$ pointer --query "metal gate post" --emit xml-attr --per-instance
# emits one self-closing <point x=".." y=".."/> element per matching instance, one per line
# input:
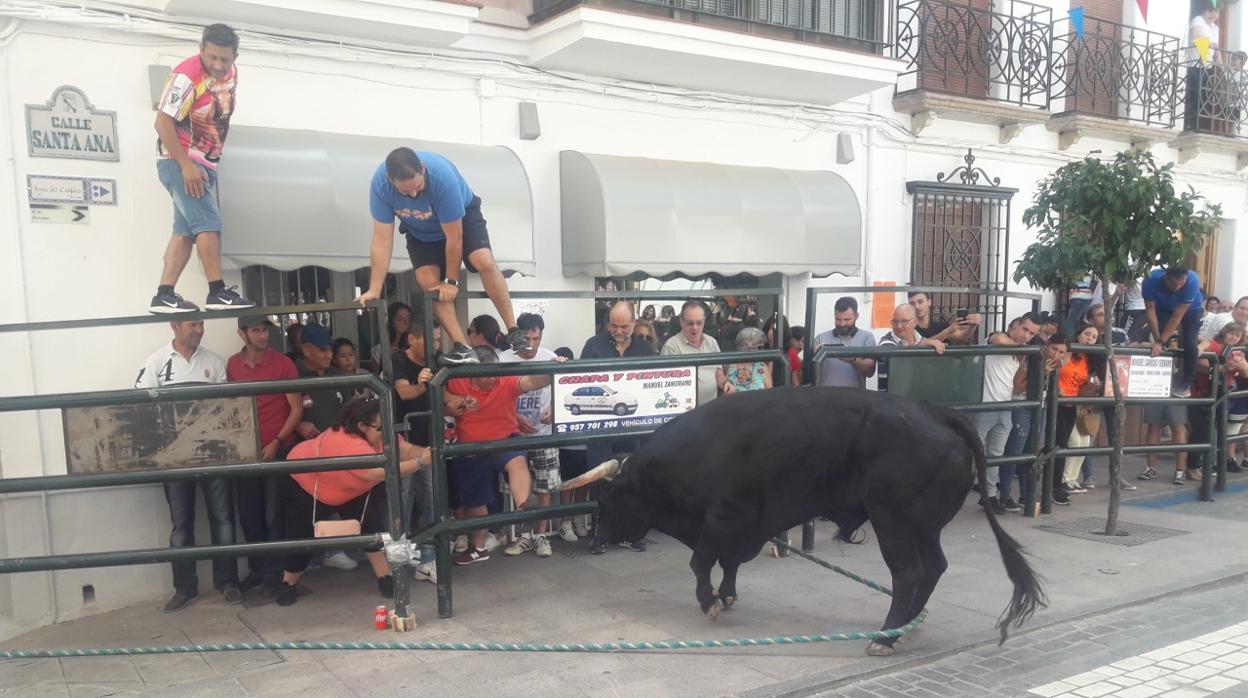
<point x="1209" y="460"/>
<point x="1221" y="419"/>
<point x="1050" y="444"/>
<point x="1035" y="391"/>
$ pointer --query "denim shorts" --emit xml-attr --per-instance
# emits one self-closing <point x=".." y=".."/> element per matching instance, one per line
<point x="191" y="216"/>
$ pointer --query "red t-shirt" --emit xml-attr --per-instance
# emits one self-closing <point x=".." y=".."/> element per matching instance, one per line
<point x="795" y="360"/>
<point x="271" y="410"/>
<point x="495" y="416"/>
<point x="334" y="487"/>
<point x="1201" y="386"/>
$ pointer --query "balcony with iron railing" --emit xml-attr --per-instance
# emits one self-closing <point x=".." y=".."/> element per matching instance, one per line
<point x="857" y="24"/>
<point x="1214" y="93"/>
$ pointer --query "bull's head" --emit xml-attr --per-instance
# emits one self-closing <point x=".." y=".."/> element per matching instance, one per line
<point x="621" y="508"/>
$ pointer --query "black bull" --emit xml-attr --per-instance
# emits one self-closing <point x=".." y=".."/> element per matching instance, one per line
<point x="730" y="475"/>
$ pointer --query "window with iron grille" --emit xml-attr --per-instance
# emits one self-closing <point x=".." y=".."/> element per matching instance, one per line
<point x="961" y="238"/>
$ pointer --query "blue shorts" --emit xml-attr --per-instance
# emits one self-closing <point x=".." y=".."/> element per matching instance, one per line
<point x="191" y="216"/>
<point x="471" y="479"/>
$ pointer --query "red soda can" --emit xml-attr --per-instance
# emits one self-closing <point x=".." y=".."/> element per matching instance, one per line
<point x="381" y="618"/>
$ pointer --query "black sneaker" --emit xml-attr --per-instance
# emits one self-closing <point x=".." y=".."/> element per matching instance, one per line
<point x="1232" y="466"/>
<point x="994" y="505"/>
<point x="1008" y="504"/>
<point x="231" y="593"/>
<point x="178" y="601"/>
<point x="597" y="548"/>
<point x="286" y="594"/>
<point x="170" y="302"/>
<point x="458" y="356"/>
<point x="386" y="586"/>
<point x="1060" y="498"/>
<point x="226" y="299"/>
<point x="251" y="581"/>
<point x="637" y="546"/>
<point x="517" y="340"/>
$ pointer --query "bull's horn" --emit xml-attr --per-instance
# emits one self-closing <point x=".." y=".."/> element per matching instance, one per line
<point x="606" y="469"/>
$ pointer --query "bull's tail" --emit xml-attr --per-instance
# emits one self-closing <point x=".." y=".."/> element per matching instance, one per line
<point x="1028" y="596"/>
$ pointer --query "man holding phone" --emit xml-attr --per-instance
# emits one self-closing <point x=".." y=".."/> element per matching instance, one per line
<point x="959" y="332"/>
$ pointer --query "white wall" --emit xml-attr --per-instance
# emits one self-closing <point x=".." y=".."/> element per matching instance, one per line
<point x="110" y="267"/>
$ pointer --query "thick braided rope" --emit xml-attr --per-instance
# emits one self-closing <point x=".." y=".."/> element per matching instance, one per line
<point x="654" y="645"/>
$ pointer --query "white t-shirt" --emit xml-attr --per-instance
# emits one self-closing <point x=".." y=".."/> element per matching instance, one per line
<point x="1134" y="296"/>
<point x="1212" y="323"/>
<point x="1197" y="29"/>
<point x="999" y="371"/>
<point x="166" y="367"/>
<point x="533" y="404"/>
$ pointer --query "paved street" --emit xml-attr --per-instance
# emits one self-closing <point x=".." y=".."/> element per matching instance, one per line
<point x="1180" y="575"/>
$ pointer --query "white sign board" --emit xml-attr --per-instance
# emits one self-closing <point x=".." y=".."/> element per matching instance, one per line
<point x="69" y="127"/>
<point x="1142" y="376"/>
<point x="43" y="213"/>
<point x="55" y="189"/>
<point x="621" y="399"/>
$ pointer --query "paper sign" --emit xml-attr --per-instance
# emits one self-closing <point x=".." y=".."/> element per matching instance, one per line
<point x="56" y="189"/>
<point x="620" y="399"/>
<point x="59" y="214"/>
<point x="1142" y="376"/>
<point x="882" y="305"/>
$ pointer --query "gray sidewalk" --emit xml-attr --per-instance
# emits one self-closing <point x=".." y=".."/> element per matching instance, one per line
<point x="576" y="597"/>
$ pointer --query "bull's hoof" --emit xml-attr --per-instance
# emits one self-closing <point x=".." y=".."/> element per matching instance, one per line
<point x="773" y="550"/>
<point x="729" y="601"/>
<point x="713" y="610"/>
<point x="876" y="649"/>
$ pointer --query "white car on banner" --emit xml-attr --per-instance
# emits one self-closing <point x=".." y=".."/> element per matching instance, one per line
<point x="596" y="401"/>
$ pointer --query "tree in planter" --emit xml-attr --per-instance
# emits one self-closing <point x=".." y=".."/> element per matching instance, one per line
<point x="1117" y="220"/>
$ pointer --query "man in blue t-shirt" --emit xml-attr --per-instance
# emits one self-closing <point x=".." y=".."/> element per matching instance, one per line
<point x="1173" y="303"/>
<point x="441" y="218"/>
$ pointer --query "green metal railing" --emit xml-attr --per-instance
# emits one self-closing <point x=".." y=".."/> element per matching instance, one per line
<point x="388" y="459"/>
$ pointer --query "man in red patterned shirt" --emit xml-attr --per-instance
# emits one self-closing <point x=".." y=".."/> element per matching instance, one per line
<point x="192" y="120"/>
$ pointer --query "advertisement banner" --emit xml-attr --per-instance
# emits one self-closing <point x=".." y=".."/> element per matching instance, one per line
<point x="1142" y="376"/>
<point x="622" y="399"/>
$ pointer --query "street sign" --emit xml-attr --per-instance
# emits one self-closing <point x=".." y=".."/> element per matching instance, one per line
<point x="56" y="189"/>
<point x="68" y="126"/>
<point x="44" y="213"/>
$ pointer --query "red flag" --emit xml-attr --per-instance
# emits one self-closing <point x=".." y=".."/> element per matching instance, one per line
<point x="1143" y="8"/>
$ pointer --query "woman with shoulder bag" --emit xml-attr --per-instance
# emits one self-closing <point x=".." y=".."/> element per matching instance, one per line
<point x="357" y="496"/>
<point x="1073" y="377"/>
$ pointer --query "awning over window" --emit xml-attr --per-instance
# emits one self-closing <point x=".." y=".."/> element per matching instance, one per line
<point x="623" y="215"/>
<point x="291" y="198"/>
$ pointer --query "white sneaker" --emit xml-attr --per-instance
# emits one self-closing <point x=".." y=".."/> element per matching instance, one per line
<point x="542" y="545"/>
<point x="492" y="542"/>
<point x="427" y="571"/>
<point x="461" y="543"/>
<point x="522" y="545"/>
<point x="566" y="533"/>
<point x="581" y="527"/>
<point x="340" y="561"/>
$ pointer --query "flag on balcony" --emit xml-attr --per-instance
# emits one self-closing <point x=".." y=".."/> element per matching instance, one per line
<point x="1076" y="20"/>
<point x="1143" y="8"/>
<point x="1202" y="45"/>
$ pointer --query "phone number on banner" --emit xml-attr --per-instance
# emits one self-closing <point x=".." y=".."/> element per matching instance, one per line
<point x="604" y="424"/>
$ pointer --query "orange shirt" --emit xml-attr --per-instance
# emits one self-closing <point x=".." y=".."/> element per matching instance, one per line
<point x="335" y="486"/>
<point x="1073" y="375"/>
<point x="495" y="416"/>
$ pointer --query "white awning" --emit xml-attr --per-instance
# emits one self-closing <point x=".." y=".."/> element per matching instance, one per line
<point x="292" y="199"/>
<point x="623" y="215"/>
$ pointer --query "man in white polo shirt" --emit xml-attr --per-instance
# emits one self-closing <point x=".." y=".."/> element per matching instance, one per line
<point x="694" y="340"/>
<point x="185" y="362"/>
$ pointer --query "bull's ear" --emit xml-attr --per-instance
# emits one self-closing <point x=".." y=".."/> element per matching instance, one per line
<point x="606" y="469"/>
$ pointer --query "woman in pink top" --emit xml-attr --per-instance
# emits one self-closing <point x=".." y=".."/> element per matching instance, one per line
<point x="352" y="494"/>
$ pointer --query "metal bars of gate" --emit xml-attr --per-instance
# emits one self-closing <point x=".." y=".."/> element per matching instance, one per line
<point x="1217" y="428"/>
<point x="1225" y="395"/>
<point x="388" y="459"/>
<point x="444" y="525"/>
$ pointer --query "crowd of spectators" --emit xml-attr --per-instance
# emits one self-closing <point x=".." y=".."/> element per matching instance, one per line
<point x="323" y="423"/>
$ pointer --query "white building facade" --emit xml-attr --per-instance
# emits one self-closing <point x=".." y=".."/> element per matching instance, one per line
<point x="786" y="142"/>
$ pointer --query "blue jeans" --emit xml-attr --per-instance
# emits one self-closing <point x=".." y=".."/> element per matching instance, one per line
<point x="1016" y="445"/>
<point x="1188" y="334"/>
<point x="994" y="430"/>
<point x="181" y="498"/>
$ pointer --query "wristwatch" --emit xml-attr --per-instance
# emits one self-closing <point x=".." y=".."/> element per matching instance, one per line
<point x="453" y="282"/>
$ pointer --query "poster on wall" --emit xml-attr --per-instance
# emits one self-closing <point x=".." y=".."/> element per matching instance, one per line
<point x="68" y="126"/>
<point x="622" y="399"/>
<point x="1142" y="376"/>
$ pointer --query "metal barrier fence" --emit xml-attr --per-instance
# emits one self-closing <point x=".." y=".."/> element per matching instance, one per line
<point x="445" y="526"/>
<point x="388" y="459"/>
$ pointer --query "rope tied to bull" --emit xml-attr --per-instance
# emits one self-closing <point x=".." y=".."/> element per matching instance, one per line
<point x="652" y="645"/>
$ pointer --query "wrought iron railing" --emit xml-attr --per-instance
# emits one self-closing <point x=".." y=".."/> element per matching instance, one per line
<point x="1115" y="71"/>
<point x="1214" y="93"/>
<point x="963" y="47"/>
<point x="862" y="20"/>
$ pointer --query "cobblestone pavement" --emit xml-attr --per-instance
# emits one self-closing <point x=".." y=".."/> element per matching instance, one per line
<point x="1151" y="644"/>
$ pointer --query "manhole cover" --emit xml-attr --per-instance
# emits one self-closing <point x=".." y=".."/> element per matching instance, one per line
<point x="1087" y="528"/>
